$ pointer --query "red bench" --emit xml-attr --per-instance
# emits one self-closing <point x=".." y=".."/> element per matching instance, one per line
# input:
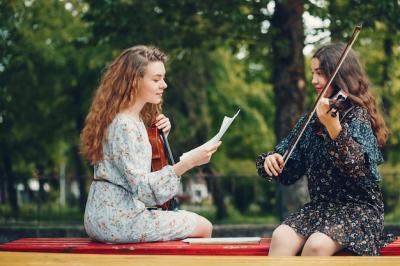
<point x="86" y="246"/>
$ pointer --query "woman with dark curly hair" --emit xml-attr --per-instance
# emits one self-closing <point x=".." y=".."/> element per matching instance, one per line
<point x="339" y="154"/>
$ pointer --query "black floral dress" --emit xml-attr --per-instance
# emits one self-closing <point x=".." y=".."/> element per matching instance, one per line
<point x="343" y="182"/>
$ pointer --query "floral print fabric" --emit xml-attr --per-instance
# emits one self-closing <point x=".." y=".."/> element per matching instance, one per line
<point x="343" y="182"/>
<point x="116" y="210"/>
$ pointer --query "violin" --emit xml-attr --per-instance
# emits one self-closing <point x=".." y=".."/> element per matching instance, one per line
<point x="161" y="156"/>
<point x="339" y="102"/>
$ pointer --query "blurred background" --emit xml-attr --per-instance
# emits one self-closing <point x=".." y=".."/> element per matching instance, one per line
<point x="251" y="55"/>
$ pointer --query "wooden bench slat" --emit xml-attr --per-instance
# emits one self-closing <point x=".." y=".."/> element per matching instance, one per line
<point x="86" y="246"/>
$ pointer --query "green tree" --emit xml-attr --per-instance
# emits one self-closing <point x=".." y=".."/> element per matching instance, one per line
<point x="39" y="46"/>
<point x="289" y="84"/>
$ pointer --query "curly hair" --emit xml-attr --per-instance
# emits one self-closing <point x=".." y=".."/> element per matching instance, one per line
<point x="352" y="79"/>
<point x="117" y="91"/>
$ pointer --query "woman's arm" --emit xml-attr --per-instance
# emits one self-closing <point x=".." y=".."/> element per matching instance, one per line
<point x="127" y="147"/>
<point x="355" y="150"/>
<point x="295" y="166"/>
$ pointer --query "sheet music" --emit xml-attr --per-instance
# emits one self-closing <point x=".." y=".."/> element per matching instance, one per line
<point x="226" y="123"/>
<point x="223" y="240"/>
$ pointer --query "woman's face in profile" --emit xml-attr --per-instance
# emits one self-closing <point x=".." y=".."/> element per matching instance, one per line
<point x="319" y="79"/>
<point x="152" y="85"/>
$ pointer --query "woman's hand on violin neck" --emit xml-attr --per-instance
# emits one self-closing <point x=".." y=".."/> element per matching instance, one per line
<point x="332" y="124"/>
<point x="273" y="164"/>
<point x="163" y="123"/>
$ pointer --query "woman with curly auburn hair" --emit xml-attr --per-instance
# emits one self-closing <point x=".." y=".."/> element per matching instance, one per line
<point x="115" y="141"/>
<point x="339" y="153"/>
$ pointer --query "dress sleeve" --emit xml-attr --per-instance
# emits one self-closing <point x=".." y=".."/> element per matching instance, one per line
<point x="295" y="166"/>
<point x="355" y="151"/>
<point x="128" y="154"/>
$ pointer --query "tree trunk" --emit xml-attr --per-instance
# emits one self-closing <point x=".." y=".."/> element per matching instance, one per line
<point x="218" y="198"/>
<point x="2" y="184"/>
<point x="335" y="29"/>
<point x="80" y="173"/>
<point x="289" y="86"/>
<point x="41" y="179"/>
<point x="10" y="181"/>
<point x="80" y="177"/>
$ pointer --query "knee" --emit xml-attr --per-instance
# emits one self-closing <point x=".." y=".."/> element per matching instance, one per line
<point x="203" y="228"/>
<point x="208" y="227"/>
<point x="319" y="244"/>
<point x="277" y="233"/>
<point x="316" y="247"/>
<point x="313" y="248"/>
<point x="282" y="234"/>
<point x="285" y="242"/>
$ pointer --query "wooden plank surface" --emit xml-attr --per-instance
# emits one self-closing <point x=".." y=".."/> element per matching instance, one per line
<point x="86" y="246"/>
<point x="47" y="259"/>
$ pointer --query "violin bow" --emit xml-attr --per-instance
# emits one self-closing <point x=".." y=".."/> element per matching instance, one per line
<point x="167" y="147"/>
<point x="343" y="56"/>
<point x="173" y="203"/>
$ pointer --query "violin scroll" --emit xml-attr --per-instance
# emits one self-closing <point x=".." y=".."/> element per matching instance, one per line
<point x="339" y="102"/>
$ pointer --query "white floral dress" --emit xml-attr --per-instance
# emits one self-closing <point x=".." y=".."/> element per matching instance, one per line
<point x="116" y="210"/>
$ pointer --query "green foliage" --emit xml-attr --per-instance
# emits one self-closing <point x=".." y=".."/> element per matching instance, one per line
<point x="377" y="46"/>
<point x="243" y="194"/>
<point x="252" y="216"/>
<point x="390" y="184"/>
<point x="38" y="42"/>
<point x="251" y="133"/>
<point x="243" y="191"/>
<point x="52" y="53"/>
<point x="44" y="213"/>
<point x="391" y="196"/>
<point x="393" y="217"/>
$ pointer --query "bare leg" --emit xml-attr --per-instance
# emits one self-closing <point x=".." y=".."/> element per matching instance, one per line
<point x="319" y="244"/>
<point x="285" y="242"/>
<point x="203" y="228"/>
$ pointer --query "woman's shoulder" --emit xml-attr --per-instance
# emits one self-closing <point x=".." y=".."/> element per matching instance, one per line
<point x="123" y="122"/>
<point x="359" y="114"/>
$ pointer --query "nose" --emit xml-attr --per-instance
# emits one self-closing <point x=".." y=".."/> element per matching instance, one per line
<point x="164" y="85"/>
<point x="314" y="80"/>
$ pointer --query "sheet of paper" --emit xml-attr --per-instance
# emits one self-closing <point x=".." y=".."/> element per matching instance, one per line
<point x="224" y="127"/>
<point x="223" y="240"/>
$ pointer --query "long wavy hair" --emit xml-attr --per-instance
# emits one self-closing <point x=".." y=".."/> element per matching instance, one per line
<point x="117" y="92"/>
<point x="352" y="79"/>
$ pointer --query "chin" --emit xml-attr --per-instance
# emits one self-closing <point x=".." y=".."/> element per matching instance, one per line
<point x="158" y="101"/>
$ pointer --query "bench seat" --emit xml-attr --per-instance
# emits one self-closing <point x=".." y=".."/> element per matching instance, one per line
<point x="86" y="246"/>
